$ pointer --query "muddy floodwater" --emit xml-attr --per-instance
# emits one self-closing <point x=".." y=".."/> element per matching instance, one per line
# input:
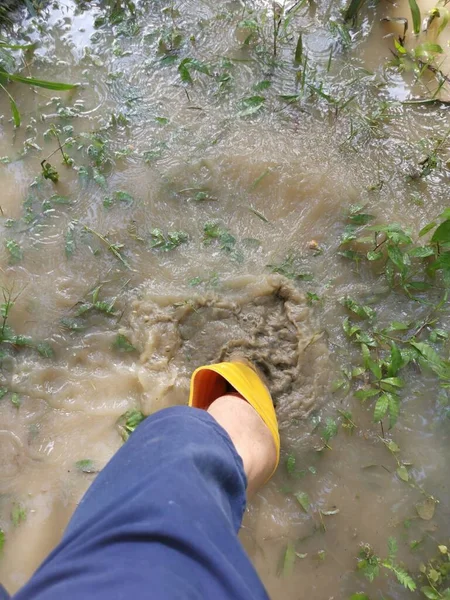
<point x="221" y="160"/>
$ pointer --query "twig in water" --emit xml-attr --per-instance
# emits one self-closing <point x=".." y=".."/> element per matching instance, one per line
<point x="111" y="247"/>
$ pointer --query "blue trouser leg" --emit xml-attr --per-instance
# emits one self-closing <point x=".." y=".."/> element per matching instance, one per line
<point x="160" y="521"/>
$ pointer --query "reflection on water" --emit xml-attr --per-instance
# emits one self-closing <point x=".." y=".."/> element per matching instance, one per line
<point x="189" y="178"/>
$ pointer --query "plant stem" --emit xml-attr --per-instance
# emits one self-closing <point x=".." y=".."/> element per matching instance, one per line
<point x="111" y="247"/>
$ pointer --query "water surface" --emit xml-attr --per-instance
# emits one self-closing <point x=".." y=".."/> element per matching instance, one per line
<point x="158" y="143"/>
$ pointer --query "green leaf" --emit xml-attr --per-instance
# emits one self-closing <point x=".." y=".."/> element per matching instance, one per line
<point x="403" y="577"/>
<point x="4" y="44"/>
<point x="418" y="286"/>
<point x="49" y="172"/>
<point x="348" y="235"/>
<point x="442" y="262"/>
<point x="365" y="394"/>
<point x="184" y="74"/>
<point x="18" y="514"/>
<point x="188" y="64"/>
<point x="374" y="255"/>
<point x="303" y="499"/>
<point x="365" y="312"/>
<point x="330" y="429"/>
<point x="415" y="13"/>
<point x="428" y="227"/>
<point x="365" y="338"/>
<point x="61" y="200"/>
<point x="421" y="252"/>
<point x="351" y="255"/>
<point x="99" y="178"/>
<point x="49" y="85"/>
<point x="22" y="341"/>
<point x="381" y="407"/>
<point x="426" y="509"/>
<point x="394" y="409"/>
<point x="290" y="464"/>
<point x="427" y="47"/>
<point x="396" y="256"/>
<point x="122" y="344"/>
<point x="291" y="98"/>
<point x="262" y="85"/>
<point x="124" y="197"/>
<point x="298" y="51"/>
<point x="359" y="596"/>
<point x="15" y="399"/>
<point x="369" y="566"/>
<point x="167" y="242"/>
<point x="397" y="326"/>
<point x="395" y="381"/>
<point x="133" y="418"/>
<point x="399" y="46"/>
<point x="361" y="218"/>
<point x="45" y="349"/>
<point x="433" y="360"/>
<point x="105" y="306"/>
<point x="289" y="559"/>
<point x="442" y="233"/>
<point x="392" y="446"/>
<point x="348" y="328"/>
<point x="393" y="231"/>
<point x="251" y="105"/>
<point x="402" y="472"/>
<point x="438" y="334"/>
<point x="392" y="547"/>
<point x="340" y="384"/>
<point x="445" y="15"/>
<point x="2" y="539"/>
<point x="15" y="251"/>
<point x="129" y="421"/>
<point x="375" y="368"/>
<point x="396" y="360"/>
<point x="429" y="593"/>
<point x="86" y="465"/>
<point x="352" y="10"/>
<point x="15" y="112"/>
<point x="311" y="298"/>
<point x="365" y="355"/>
<point x="319" y="91"/>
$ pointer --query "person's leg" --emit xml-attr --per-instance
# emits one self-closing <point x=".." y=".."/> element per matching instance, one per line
<point x="251" y="438"/>
<point x="161" y="520"/>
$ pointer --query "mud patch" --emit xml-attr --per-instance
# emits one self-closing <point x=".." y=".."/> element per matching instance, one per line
<point x="265" y="318"/>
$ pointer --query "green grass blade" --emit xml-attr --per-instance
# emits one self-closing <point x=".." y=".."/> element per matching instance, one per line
<point x="352" y="11"/>
<point x="426" y="48"/>
<point x="445" y="15"/>
<point x="14" y="110"/>
<point x="298" y="51"/>
<point x="49" y="85"/>
<point x="16" y="46"/>
<point x="415" y="12"/>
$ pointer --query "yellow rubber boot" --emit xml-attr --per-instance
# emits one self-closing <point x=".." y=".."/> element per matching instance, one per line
<point x="210" y="382"/>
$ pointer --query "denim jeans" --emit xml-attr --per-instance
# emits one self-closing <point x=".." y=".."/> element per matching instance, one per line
<point x="160" y="521"/>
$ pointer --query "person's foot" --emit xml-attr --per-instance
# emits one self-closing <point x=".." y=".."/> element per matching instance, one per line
<point x="236" y="396"/>
<point x="251" y="437"/>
